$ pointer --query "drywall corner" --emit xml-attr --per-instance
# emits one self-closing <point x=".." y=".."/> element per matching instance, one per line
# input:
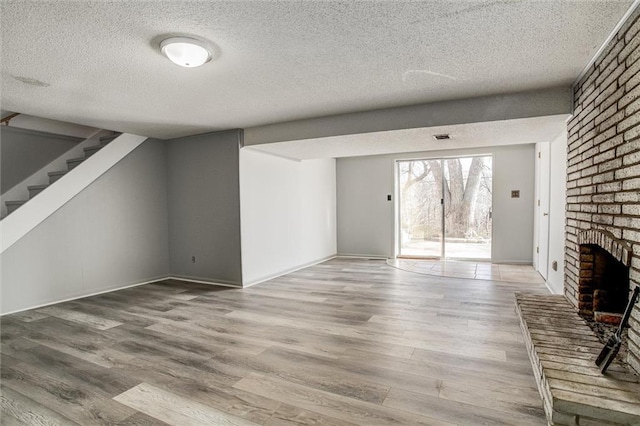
<point x="204" y="207"/>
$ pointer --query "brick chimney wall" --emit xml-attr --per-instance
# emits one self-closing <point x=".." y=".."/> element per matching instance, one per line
<point x="603" y="170"/>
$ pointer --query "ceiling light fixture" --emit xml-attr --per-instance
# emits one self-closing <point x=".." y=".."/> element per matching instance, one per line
<point x="185" y="51"/>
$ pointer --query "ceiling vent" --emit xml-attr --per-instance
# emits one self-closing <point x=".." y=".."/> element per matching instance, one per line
<point x="442" y="137"/>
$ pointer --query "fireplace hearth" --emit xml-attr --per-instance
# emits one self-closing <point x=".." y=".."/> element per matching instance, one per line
<point x="563" y="350"/>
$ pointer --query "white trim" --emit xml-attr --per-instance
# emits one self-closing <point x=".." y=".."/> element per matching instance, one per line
<point x="610" y="37"/>
<point x="151" y="281"/>
<point x="288" y="271"/>
<point x="551" y="288"/>
<point x="155" y="280"/>
<point x="514" y="262"/>
<point x="18" y="224"/>
<point x="20" y="190"/>
<point x="362" y="256"/>
<point x="191" y="280"/>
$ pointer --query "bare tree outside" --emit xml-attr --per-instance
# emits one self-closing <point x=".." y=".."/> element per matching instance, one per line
<point x="462" y="186"/>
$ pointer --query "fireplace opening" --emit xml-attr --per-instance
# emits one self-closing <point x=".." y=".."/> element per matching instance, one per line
<point x="603" y="285"/>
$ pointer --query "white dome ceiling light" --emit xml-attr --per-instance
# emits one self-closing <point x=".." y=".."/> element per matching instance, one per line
<point x="185" y="51"/>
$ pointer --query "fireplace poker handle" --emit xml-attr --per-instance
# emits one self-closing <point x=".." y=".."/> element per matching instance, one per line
<point x="612" y="346"/>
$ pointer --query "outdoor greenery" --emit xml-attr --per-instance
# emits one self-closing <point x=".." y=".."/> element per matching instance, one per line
<point x="465" y="186"/>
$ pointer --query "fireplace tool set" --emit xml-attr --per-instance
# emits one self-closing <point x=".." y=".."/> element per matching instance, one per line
<point x="611" y="348"/>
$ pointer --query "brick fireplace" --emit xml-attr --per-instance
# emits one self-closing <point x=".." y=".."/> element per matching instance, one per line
<point x="603" y="278"/>
<point x="602" y="260"/>
<point x="602" y="249"/>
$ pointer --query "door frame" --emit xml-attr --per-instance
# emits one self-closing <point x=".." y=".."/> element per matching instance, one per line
<point x="541" y="212"/>
<point x="397" y="245"/>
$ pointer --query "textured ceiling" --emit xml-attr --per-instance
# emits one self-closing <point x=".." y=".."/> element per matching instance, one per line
<point x="476" y="135"/>
<point x="97" y="63"/>
<point x="29" y="122"/>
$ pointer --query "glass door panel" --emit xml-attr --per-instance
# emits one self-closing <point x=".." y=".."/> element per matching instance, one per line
<point x="445" y="208"/>
<point x="467" y="207"/>
<point x="420" y="197"/>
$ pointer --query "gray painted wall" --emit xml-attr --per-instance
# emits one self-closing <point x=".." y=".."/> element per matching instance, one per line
<point x="24" y="152"/>
<point x="535" y="103"/>
<point x="112" y="234"/>
<point x="204" y="207"/>
<point x="364" y="216"/>
<point x="366" y="219"/>
<point x="514" y="168"/>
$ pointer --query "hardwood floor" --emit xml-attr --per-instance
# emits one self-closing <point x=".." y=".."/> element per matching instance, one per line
<point x="474" y="270"/>
<point x="341" y="343"/>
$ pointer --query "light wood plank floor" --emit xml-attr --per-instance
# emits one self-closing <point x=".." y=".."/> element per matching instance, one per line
<point x="341" y="343"/>
<point x="475" y="270"/>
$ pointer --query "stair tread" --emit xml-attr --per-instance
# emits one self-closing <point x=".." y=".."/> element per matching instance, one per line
<point x="104" y="140"/>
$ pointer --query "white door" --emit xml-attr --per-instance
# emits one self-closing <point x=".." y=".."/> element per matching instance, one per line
<point x="543" y="170"/>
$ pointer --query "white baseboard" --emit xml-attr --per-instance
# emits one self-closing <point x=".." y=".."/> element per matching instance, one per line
<point x="287" y="271"/>
<point x="362" y="256"/>
<point x="201" y="281"/>
<point x="512" y="262"/>
<point x="82" y="296"/>
<point x="552" y="288"/>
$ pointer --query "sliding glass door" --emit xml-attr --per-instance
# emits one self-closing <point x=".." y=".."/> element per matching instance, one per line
<point x="421" y="225"/>
<point x="445" y="207"/>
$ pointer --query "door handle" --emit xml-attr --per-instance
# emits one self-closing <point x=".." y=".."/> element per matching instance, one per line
<point x="545" y="214"/>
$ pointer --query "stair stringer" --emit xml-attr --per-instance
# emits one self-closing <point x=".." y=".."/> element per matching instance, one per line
<point x="20" y="191"/>
<point x="27" y="217"/>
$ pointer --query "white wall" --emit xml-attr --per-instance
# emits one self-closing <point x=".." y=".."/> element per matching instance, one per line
<point x="112" y="234"/>
<point x="365" y="217"/>
<point x="288" y="213"/>
<point x="557" y="208"/>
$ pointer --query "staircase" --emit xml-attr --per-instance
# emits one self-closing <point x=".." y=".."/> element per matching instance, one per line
<point x="54" y="176"/>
